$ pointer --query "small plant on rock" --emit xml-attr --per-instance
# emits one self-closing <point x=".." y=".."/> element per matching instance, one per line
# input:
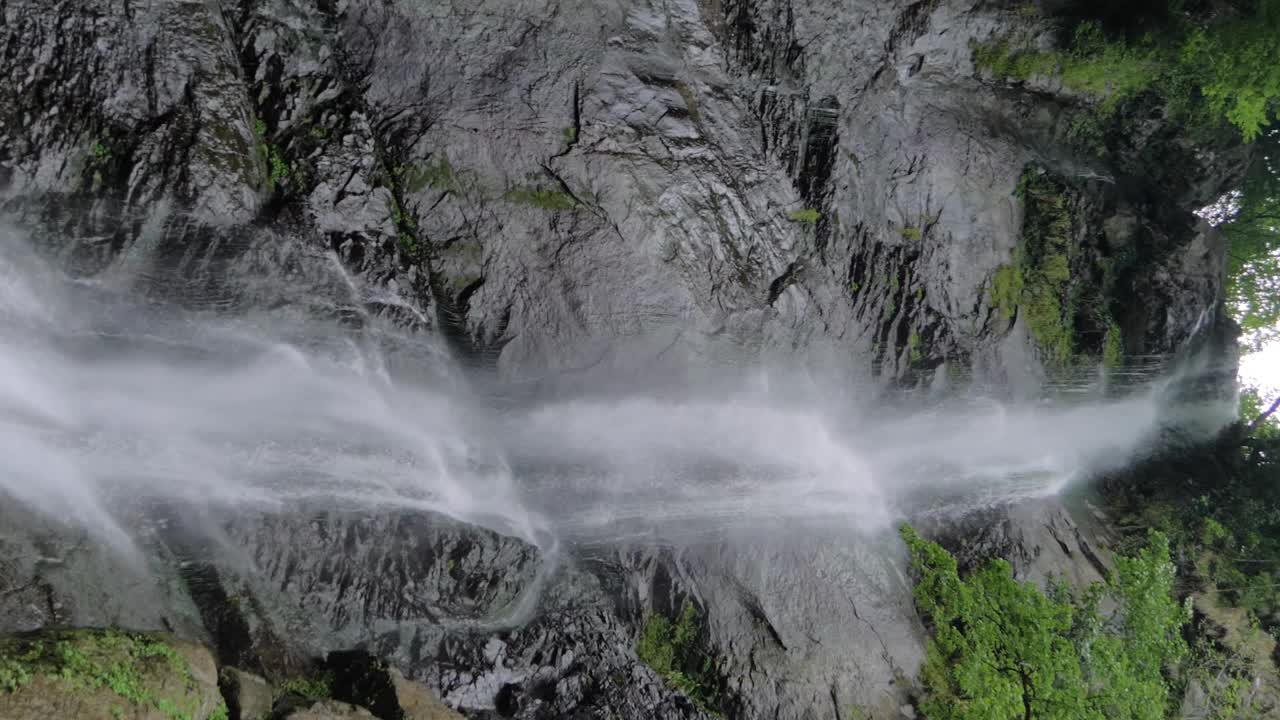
<point x="674" y="651"/>
<point x="807" y="216"/>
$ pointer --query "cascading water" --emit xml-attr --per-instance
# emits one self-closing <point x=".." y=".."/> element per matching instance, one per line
<point x="108" y="399"/>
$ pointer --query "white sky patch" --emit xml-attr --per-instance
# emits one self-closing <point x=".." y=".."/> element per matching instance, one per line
<point x="1262" y="370"/>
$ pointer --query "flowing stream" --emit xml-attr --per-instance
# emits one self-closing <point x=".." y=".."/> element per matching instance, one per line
<point x="110" y="398"/>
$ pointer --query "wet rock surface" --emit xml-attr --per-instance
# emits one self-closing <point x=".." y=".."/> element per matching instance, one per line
<point x="555" y="187"/>
<point x="798" y="626"/>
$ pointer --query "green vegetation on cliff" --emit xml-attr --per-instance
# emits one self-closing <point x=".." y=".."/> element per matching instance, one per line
<point x="808" y="216"/>
<point x="1219" y="503"/>
<point x="543" y="198"/>
<point x="277" y="167"/>
<point x="1253" y="264"/>
<point x="1221" y="507"/>
<point x="1001" y="648"/>
<point x="1204" y="70"/>
<point x="112" y="668"/>
<point x="674" y="650"/>
<point x="1036" y="282"/>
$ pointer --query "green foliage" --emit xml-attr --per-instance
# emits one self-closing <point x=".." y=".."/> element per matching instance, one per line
<point x="277" y="167"/>
<point x="1003" y="59"/>
<point x="1235" y="61"/>
<point x="1006" y="288"/>
<point x="398" y="216"/>
<point x="1252" y="406"/>
<point x="1222" y="71"/>
<point x="314" y="687"/>
<point x="1111" y="70"/>
<point x="808" y="216"/>
<point x="1113" y="346"/>
<point x="1253" y="264"/>
<point x="1003" y="649"/>
<point x="675" y="652"/>
<point x="914" y="354"/>
<point x="1221" y="505"/>
<point x="405" y="225"/>
<point x="1226" y="678"/>
<point x="910" y="232"/>
<point x="570" y="135"/>
<point x="1036" y="282"/>
<point x="14" y="674"/>
<point x="99" y="161"/>
<point x="112" y="660"/>
<point x="554" y="200"/>
<point x="101" y="153"/>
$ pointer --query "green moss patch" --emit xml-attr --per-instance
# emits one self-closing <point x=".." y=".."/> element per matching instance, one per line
<point x="543" y="198"/>
<point x="138" y="671"/>
<point x="1036" y="282"/>
<point x="277" y="166"/>
<point x="807" y="216"/>
<point x="314" y="687"/>
<point x="1205" y="71"/>
<point x="1113" y="347"/>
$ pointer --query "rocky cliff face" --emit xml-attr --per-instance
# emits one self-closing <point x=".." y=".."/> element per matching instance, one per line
<point x="554" y="186"/>
<point x="806" y="627"/>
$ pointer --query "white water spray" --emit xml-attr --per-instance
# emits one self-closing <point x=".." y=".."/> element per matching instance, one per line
<point x="107" y="401"/>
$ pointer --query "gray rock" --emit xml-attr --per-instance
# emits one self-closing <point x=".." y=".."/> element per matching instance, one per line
<point x="482" y="618"/>
<point x="55" y="574"/>
<point x="248" y="696"/>
<point x="555" y="186"/>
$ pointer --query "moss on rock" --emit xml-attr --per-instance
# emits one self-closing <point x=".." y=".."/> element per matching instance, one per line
<point x="106" y="675"/>
<point x="1036" y="282"/>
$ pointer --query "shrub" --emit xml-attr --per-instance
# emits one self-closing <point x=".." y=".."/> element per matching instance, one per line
<point x="1227" y="66"/>
<point x="673" y="650"/>
<point x="1003" y="649"/>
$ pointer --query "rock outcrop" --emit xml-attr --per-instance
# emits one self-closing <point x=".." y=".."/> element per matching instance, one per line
<point x="802" y="625"/>
<point x="561" y="185"/>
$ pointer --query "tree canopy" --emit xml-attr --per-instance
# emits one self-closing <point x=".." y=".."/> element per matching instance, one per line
<point x="1253" y="269"/>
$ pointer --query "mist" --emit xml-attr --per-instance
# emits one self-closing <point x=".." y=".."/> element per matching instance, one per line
<point x="111" y="398"/>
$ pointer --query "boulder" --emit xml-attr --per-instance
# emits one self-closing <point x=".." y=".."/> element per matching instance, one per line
<point x="248" y="696"/>
<point x="360" y="678"/>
